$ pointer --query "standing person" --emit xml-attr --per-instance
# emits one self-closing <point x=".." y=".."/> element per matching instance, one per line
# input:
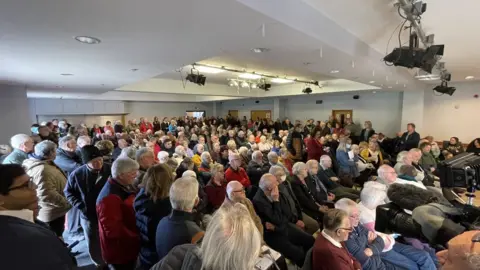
<point x="156" y="124"/>
<point x="67" y="158"/>
<point x="119" y="238"/>
<point x="145" y="125"/>
<point x="108" y="127"/>
<point x="22" y="145"/>
<point x="26" y="244"/>
<point x="151" y="205"/>
<point x="50" y="181"/>
<point x="367" y="132"/>
<point x="118" y="127"/>
<point x="410" y="139"/>
<point x="295" y="144"/>
<point x="82" y="189"/>
<point x="315" y="145"/>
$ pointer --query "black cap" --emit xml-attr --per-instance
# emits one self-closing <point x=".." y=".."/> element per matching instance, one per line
<point x="90" y="152"/>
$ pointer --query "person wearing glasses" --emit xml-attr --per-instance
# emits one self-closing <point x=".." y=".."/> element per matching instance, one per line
<point x="329" y="251"/>
<point x="27" y="243"/>
<point x="379" y="251"/>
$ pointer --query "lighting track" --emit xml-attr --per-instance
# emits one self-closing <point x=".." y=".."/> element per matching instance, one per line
<point x="256" y="73"/>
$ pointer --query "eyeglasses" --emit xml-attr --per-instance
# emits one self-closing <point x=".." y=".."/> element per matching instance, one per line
<point x="29" y="184"/>
<point x="239" y="191"/>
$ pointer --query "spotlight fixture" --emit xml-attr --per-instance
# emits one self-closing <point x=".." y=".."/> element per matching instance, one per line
<point x="307" y="90"/>
<point x="390" y="87"/>
<point x="87" y="40"/>
<point x="260" y="50"/>
<point x="196" y="78"/>
<point x="281" y="80"/>
<point x="445" y="89"/>
<point x="250" y="76"/>
<point x="264" y="85"/>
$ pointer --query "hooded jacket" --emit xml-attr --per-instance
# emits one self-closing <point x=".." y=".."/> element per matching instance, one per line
<point x="67" y="161"/>
<point x="50" y="181"/>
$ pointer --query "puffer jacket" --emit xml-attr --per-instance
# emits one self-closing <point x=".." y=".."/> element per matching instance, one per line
<point x="50" y="181"/>
<point x="183" y="257"/>
<point x="409" y="196"/>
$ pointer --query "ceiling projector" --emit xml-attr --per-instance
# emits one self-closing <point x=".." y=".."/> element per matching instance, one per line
<point x="445" y="89"/>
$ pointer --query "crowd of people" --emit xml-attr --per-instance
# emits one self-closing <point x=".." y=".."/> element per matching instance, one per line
<point x="213" y="193"/>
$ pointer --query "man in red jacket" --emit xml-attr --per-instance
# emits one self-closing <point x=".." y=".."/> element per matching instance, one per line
<point x="119" y="237"/>
<point x="235" y="172"/>
<point x="145" y="125"/>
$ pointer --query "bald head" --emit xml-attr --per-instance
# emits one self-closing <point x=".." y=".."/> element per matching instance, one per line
<point x="235" y="191"/>
<point x="386" y="175"/>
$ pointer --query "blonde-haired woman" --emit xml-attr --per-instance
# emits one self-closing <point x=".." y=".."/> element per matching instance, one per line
<point x="373" y="154"/>
<point x="151" y="205"/>
<point x="232" y="147"/>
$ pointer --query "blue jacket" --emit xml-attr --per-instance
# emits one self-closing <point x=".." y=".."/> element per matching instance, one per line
<point x="16" y="157"/>
<point x="357" y="243"/>
<point x="148" y="214"/>
<point x="346" y="165"/>
<point x="83" y="187"/>
<point x="26" y="245"/>
<point x="176" y="229"/>
<point x="66" y="161"/>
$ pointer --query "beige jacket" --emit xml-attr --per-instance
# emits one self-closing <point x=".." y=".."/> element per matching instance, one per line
<point x="50" y="181"/>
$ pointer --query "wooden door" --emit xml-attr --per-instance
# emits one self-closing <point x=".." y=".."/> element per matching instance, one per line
<point x="261" y="115"/>
<point x="233" y="113"/>
<point x="342" y="115"/>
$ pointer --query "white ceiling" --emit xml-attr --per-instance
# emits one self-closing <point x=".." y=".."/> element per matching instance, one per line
<point x="307" y="39"/>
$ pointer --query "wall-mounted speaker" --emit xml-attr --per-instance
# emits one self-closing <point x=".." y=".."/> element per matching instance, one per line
<point x="257" y="101"/>
<point x="356" y="97"/>
<point x="318" y="101"/>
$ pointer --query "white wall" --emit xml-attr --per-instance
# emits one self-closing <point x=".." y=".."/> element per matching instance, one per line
<point x="244" y="106"/>
<point x="446" y="116"/>
<point x="14" y="111"/>
<point x="137" y="109"/>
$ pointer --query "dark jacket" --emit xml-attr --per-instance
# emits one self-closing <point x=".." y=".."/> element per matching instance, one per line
<point x="216" y="195"/>
<point x="83" y="187"/>
<point x="26" y="245"/>
<point x="255" y="171"/>
<point x="183" y="257"/>
<point x="118" y="128"/>
<point x="318" y="188"/>
<point x="116" y="153"/>
<point x="325" y="175"/>
<point x="409" y="196"/>
<point x="176" y="229"/>
<point x="118" y="233"/>
<point x="148" y="214"/>
<point x="306" y="199"/>
<point x="408" y="143"/>
<point x="287" y="196"/>
<point x="364" y="135"/>
<point x="67" y="161"/>
<point x="270" y="211"/>
<point x="357" y="243"/>
<point x="204" y="173"/>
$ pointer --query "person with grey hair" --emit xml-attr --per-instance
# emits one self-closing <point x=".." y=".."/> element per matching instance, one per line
<point x="256" y="168"/>
<point x="179" y="227"/>
<point x="67" y="159"/>
<point x="240" y="140"/>
<point x="280" y="233"/>
<point x="129" y="152"/>
<point x="22" y="145"/>
<point x="145" y="159"/>
<point x="273" y="160"/>
<point x="204" y="169"/>
<point x="122" y="144"/>
<point x="290" y="204"/>
<point x="179" y="154"/>
<point x="50" y="181"/>
<point x="331" y="181"/>
<point x="163" y="157"/>
<point x="118" y="233"/>
<point x="81" y="142"/>
<point x="198" y="150"/>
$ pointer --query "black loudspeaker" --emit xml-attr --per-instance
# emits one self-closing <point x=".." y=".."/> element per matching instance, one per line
<point x="318" y="101"/>
<point x="356" y="97"/>
<point x="257" y="101"/>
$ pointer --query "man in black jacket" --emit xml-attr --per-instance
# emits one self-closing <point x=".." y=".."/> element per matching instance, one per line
<point x="256" y="168"/>
<point x="409" y="139"/>
<point x="82" y="189"/>
<point x="319" y="190"/>
<point x="280" y="234"/>
<point x="330" y="180"/>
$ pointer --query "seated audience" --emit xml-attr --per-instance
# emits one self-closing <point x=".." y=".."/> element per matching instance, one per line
<point x="26" y="244"/>
<point x="279" y="233"/>
<point x="427" y="161"/>
<point x="347" y="167"/>
<point x="179" y="227"/>
<point x="331" y="181"/>
<point x="365" y="168"/>
<point x="22" y="145"/>
<point x="376" y="251"/>
<point x="286" y="160"/>
<point x="179" y="154"/>
<point x="316" y="186"/>
<point x="168" y="147"/>
<point x="245" y="156"/>
<point x="145" y="160"/>
<point x="151" y="205"/>
<point x="373" y="155"/>
<point x="256" y="168"/>
<point x="204" y="169"/>
<point x="290" y="204"/>
<point x="198" y="150"/>
<point x="235" y="172"/>
<point x="50" y="181"/>
<point x="162" y="157"/>
<point x="119" y="237"/>
<point x="454" y="146"/>
<point x="82" y="189"/>
<point x="273" y="160"/>
<point x="410" y="139"/>
<point x="122" y="144"/>
<point x="230" y="242"/>
<point x="463" y="252"/>
<point x="295" y="144"/>
<point x="329" y="251"/>
<point x="5" y="150"/>
<point x="66" y="158"/>
<point x="473" y="146"/>
<point x="216" y="188"/>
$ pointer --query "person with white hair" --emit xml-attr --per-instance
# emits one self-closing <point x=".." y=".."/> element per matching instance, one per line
<point x="83" y="140"/>
<point x="22" y="145"/>
<point x="273" y="160"/>
<point x="380" y="251"/>
<point x="179" y="154"/>
<point x="198" y="150"/>
<point x="235" y="172"/>
<point x="230" y="242"/>
<point x="240" y="139"/>
<point x="145" y="159"/>
<point x="256" y="168"/>
<point x="251" y="144"/>
<point x="119" y="237"/>
<point x="280" y="233"/>
<point x="316" y="186"/>
<point x="331" y="181"/>
<point x="290" y="204"/>
<point x="50" y="181"/>
<point x="163" y="157"/>
<point x="67" y="158"/>
<point x="204" y="169"/>
<point x="179" y="227"/>
<point x="129" y="152"/>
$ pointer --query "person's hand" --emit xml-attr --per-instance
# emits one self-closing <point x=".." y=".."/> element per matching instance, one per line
<point x="331" y="196"/>
<point x="432" y="169"/>
<point x="275" y="194"/>
<point x="269" y="226"/>
<point x="323" y="208"/>
<point x="371" y="237"/>
<point x="334" y="179"/>
<point x="368" y="252"/>
<point x="300" y="224"/>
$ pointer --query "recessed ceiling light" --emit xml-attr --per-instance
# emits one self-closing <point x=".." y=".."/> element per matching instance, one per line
<point x="390" y="87"/>
<point x="469" y="78"/>
<point x="211" y="70"/>
<point x="249" y="76"/>
<point x="280" y="80"/>
<point x="260" y="50"/>
<point x="371" y="82"/>
<point x="334" y="71"/>
<point x="88" y="40"/>
<point x="66" y="74"/>
<point x="374" y="92"/>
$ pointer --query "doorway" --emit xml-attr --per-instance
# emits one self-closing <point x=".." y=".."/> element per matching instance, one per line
<point x="342" y="115"/>
<point x="233" y="113"/>
<point x="259" y="115"/>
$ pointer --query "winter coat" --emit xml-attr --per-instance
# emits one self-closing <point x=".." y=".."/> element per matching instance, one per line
<point x="183" y="257"/>
<point x="67" y="161"/>
<point x="255" y="171"/>
<point x="409" y="196"/>
<point x="346" y="165"/>
<point x="357" y="243"/>
<point x="16" y="157"/>
<point x="215" y="194"/>
<point x="50" y="181"/>
<point x="314" y="149"/>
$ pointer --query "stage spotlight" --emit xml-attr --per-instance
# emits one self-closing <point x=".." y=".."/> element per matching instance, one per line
<point x="307" y="90"/>
<point x="196" y="78"/>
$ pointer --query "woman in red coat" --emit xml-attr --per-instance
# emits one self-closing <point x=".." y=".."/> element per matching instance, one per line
<point x="315" y="146"/>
